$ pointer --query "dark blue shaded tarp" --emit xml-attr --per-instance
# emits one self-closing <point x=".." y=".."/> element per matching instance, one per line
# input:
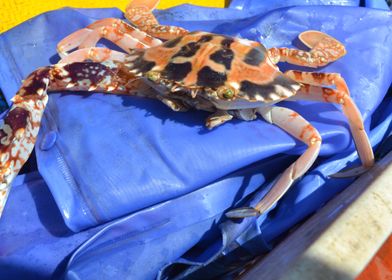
<point x="272" y="5"/>
<point x="147" y="181"/>
<point x="35" y="242"/>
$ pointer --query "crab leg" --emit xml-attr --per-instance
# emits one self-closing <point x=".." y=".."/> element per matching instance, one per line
<point x="350" y="110"/>
<point x="319" y="79"/>
<point x="119" y="32"/>
<point x="218" y="118"/>
<point x="19" y="128"/>
<point x="139" y="12"/>
<point x="94" y="54"/>
<point x="124" y="40"/>
<point x="323" y="50"/>
<point x="297" y="126"/>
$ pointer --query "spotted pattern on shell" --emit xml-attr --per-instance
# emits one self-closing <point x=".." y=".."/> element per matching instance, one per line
<point x="209" y="61"/>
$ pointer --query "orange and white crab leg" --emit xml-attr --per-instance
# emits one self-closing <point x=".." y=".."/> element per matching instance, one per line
<point x="139" y="12"/>
<point x="323" y="50"/>
<point x="297" y="126"/>
<point x="94" y="54"/>
<point x="119" y="32"/>
<point x="72" y="41"/>
<point x="123" y="40"/>
<point x="319" y="79"/>
<point x="350" y="110"/>
<point x="19" y="128"/>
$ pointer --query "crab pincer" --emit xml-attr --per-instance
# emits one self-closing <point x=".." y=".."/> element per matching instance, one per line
<point x="139" y="12"/>
<point x="20" y="127"/>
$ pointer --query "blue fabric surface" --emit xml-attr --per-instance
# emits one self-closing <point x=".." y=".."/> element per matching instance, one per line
<point x="35" y="242"/>
<point x="104" y="157"/>
<point x="271" y="5"/>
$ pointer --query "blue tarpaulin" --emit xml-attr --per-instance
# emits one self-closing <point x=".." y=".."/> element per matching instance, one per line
<point x="124" y="183"/>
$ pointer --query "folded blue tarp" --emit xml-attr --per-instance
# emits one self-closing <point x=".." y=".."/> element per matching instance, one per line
<point x="147" y="187"/>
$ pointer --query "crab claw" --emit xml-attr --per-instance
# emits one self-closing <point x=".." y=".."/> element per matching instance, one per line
<point x="324" y="49"/>
<point x="313" y="38"/>
<point x="242" y="212"/>
<point x="72" y="41"/>
<point x="350" y="172"/>
<point x="149" y="4"/>
<point x="139" y="13"/>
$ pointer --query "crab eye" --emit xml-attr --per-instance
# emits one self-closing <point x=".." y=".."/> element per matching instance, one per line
<point x="226" y="92"/>
<point x="153" y="76"/>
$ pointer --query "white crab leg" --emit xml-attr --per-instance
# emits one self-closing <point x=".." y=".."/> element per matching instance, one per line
<point x="122" y="39"/>
<point x="301" y="129"/>
<point x="72" y="41"/>
<point x="339" y="96"/>
<point x="94" y="54"/>
<point x="119" y="32"/>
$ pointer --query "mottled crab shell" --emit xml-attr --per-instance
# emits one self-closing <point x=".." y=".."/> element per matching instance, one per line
<point x="209" y="61"/>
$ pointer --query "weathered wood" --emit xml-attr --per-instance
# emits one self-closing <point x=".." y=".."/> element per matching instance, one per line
<point x="339" y="240"/>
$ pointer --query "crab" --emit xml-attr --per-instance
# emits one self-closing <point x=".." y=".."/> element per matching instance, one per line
<point x="229" y="77"/>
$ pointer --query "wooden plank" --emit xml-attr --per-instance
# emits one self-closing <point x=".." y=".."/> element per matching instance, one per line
<point x="338" y="241"/>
